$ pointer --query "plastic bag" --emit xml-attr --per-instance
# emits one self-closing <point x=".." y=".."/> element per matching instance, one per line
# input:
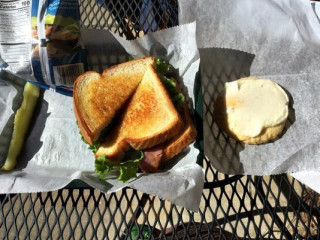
<point x="41" y="42"/>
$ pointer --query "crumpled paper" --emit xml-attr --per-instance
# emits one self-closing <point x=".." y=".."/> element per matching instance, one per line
<point x="54" y="154"/>
<point x="273" y="39"/>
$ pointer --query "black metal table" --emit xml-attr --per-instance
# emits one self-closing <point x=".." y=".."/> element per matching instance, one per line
<point x="232" y="207"/>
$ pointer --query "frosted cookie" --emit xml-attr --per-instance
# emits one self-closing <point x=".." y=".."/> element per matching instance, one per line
<point x="252" y="110"/>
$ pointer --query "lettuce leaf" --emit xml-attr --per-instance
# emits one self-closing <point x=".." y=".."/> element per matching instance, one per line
<point x="178" y="100"/>
<point x="144" y="231"/>
<point x="123" y="170"/>
<point x="176" y="96"/>
<point x="95" y="145"/>
<point x="163" y="69"/>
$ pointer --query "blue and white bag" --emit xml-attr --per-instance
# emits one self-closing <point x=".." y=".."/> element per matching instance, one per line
<point x="40" y="41"/>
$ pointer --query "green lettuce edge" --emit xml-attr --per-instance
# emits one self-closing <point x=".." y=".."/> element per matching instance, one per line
<point x="124" y="171"/>
<point x="163" y="68"/>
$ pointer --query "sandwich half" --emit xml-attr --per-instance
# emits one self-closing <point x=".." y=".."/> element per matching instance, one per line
<point x="149" y="119"/>
<point x="97" y="98"/>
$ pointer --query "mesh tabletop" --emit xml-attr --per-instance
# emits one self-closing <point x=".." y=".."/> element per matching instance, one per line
<point x="232" y="207"/>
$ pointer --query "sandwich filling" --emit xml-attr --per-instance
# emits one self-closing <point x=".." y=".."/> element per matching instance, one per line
<point x="252" y="105"/>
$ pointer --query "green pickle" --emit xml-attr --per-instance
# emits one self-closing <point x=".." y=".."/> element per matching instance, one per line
<point x="21" y="124"/>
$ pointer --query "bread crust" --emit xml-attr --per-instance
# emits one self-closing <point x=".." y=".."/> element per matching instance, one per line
<point x="267" y="134"/>
<point x="186" y="135"/>
<point x="183" y="139"/>
<point x="84" y="129"/>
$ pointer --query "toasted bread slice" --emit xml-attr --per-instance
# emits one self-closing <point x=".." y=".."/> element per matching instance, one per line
<point x="97" y="98"/>
<point x="183" y="139"/>
<point x="149" y="119"/>
<point x="169" y="149"/>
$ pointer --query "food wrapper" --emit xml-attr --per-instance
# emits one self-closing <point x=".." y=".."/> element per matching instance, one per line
<point x="41" y="42"/>
<point x="54" y="154"/>
<point x="279" y="40"/>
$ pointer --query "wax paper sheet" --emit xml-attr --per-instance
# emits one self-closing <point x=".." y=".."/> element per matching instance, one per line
<point x="279" y="40"/>
<point x="54" y="154"/>
<point x="10" y="101"/>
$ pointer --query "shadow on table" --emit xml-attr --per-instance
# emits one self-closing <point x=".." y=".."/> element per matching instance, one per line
<point x="219" y="66"/>
<point x="103" y="50"/>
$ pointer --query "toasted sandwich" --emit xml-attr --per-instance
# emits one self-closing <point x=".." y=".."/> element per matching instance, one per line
<point x="97" y="98"/>
<point x="153" y="125"/>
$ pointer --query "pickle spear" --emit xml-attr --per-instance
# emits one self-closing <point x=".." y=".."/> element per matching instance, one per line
<point x="21" y="124"/>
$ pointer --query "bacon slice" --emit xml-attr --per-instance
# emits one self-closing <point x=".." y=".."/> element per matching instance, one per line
<point x="152" y="159"/>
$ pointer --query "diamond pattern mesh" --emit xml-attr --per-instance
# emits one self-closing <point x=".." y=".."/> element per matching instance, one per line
<point x="232" y="207"/>
<point x="129" y="19"/>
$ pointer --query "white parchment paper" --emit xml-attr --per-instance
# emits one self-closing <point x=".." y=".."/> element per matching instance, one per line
<point x="54" y="154"/>
<point x="279" y="40"/>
